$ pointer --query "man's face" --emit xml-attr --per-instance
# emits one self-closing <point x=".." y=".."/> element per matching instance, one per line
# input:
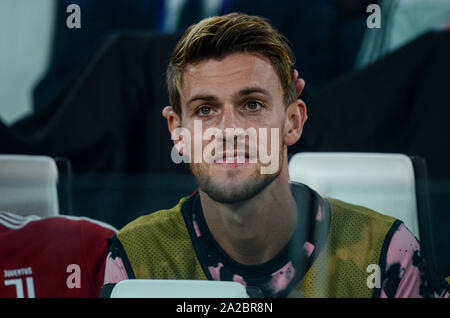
<point x="240" y="91"/>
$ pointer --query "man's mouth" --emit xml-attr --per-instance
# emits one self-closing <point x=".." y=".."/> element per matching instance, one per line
<point x="232" y="159"/>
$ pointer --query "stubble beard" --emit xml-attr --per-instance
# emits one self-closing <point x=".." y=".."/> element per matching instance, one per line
<point x="237" y="192"/>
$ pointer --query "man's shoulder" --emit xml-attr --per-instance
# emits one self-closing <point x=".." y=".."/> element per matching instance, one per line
<point x="351" y="221"/>
<point x="349" y="210"/>
<point x="159" y="220"/>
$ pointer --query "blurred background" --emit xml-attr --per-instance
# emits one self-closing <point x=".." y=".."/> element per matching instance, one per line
<point x="92" y="96"/>
<point x="39" y="53"/>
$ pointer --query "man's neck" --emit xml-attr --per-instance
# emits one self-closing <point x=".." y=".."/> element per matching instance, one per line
<point x="253" y="232"/>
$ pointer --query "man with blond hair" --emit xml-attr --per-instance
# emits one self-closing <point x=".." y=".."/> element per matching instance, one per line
<point x="236" y="73"/>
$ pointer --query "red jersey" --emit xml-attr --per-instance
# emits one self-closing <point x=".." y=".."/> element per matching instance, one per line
<point x="60" y="256"/>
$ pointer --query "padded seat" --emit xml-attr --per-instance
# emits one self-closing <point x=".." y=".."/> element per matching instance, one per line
<point x="28" y="185"/>
<point x="159" y="288"/>
<point x="382" y="182"/>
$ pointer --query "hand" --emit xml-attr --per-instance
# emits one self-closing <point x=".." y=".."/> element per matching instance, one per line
<point x="299" y="83"/>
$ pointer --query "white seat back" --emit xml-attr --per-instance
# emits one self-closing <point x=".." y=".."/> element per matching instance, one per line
<point x="382" y="182"/>
<point x="157" y="288"/>
<point x="28" y="185"/>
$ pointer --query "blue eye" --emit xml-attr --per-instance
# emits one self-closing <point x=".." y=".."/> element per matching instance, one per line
<point x="204" y="111"/>
<point x="253" y="106"/>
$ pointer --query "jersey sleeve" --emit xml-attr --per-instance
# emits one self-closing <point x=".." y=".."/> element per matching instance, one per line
<point x="406" y="274"/>
<point x="95" y="253"/>
<point x="114" y="270"/>
<point x="117" y="267"/>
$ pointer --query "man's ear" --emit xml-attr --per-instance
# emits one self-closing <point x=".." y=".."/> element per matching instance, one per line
<point x="173" y="123"/>
<point x="296" y="116"/>
<point x="173" y="119"/>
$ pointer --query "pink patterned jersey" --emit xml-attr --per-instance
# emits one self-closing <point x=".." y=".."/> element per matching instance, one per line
<point x="405" y="269"/>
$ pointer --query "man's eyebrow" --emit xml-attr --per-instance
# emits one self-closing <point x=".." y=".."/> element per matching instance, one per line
<point x="241" y="93"/>
<point x="252" y="90"/>
<point x="207" y="98"/>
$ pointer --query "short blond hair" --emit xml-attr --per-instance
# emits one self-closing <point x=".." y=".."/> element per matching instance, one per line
<point x="216" y="37"/>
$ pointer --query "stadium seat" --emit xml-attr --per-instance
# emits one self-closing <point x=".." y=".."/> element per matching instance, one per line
<point x="382" y="182"/>
<point x="28" y="185"/>
<point x="149" y="288"/>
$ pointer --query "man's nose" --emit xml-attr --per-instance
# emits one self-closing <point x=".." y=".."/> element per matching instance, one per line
<point x="229" y="119"/>
<point x="231" y="126"/>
